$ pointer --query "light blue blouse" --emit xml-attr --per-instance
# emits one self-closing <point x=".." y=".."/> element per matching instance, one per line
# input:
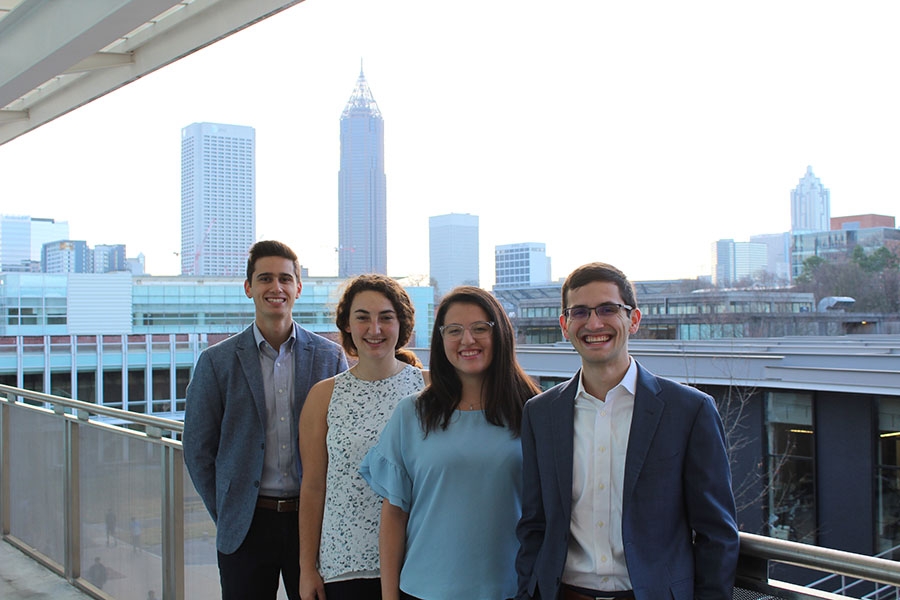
<point x="462" y="488"/>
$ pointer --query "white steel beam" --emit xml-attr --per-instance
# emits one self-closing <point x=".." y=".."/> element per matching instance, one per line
<point x="58" y="81"/>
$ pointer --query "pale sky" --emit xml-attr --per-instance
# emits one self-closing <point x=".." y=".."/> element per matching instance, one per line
<point x="633" y="133"/>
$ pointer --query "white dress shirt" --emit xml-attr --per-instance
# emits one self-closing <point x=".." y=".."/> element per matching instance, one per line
<point x="596" y="554"/>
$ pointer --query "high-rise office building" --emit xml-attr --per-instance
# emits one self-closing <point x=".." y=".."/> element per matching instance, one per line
<point x="778" y="254"/>
<point x="810" y="205"/>
<point x="109" y="258"/>
<point x="66" y="256"/>
<point x="521" y="265"/>
<point x="362" y="188"/>
<point x="453" y="251"/>
<point x="22" y="238"/>
<point x="738" y="261"/>
<point x="218" y="198"/>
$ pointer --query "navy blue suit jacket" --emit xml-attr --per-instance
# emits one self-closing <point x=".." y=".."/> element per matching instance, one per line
<point x="678" y="514"/>
<point x="224" y="423"/>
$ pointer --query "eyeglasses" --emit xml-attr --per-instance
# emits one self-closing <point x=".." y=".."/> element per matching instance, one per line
<point x="455" y="331"/>
<point x="583" y="313"/>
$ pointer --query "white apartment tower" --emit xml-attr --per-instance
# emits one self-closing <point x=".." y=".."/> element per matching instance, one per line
<point x="218" y="198"/>
<point x="453" y="251"/>
<point x="524" y="264"/>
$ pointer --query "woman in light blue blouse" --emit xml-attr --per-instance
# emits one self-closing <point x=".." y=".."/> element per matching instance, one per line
<point x="448" y="463"/>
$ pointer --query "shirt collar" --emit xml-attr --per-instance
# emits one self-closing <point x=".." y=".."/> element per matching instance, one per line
<point x="628" y="382"/>
<point x="260" y="339"/>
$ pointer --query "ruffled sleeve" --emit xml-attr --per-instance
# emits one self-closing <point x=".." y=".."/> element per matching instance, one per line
<point x="384" y="467"/>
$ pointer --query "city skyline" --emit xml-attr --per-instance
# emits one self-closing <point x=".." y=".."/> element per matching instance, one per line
<point x="624" y="131"/>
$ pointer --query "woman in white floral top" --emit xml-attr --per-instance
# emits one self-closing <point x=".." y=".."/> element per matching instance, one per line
<point x="341" y="419"/>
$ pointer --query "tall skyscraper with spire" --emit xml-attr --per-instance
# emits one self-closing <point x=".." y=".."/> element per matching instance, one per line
<point x="810" y="205"/>
<point x="218" y="198"/>
<point x="362" y="187"/>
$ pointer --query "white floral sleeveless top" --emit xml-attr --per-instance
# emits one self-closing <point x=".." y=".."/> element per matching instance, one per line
<point x="357" y="413"/>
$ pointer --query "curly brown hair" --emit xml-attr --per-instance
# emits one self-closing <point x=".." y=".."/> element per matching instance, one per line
<point x="398" y="298"/>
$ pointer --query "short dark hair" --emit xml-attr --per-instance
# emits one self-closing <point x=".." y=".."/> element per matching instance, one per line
<point x="599" y="271"/>
<point x="265" y="248"/>
<point x="398" y="298"/>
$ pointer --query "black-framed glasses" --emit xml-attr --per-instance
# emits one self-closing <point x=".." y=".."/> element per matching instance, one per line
<point x="607" y="309"/>
<point x="455" y="331"/>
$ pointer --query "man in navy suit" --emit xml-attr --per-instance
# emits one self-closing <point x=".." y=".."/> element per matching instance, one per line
<point x="627" y="487"/>
<point x="240" y="429"/>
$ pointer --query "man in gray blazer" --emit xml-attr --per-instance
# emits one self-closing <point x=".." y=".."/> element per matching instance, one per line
<point x="627" y="487"/>
<point x="240" y="429"/>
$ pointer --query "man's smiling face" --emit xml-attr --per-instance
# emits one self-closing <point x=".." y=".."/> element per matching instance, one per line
<point x="274" y="286"/>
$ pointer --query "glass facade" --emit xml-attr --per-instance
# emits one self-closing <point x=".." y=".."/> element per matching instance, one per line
<point x="887" y="479"/>
<point x="791" y="466"/>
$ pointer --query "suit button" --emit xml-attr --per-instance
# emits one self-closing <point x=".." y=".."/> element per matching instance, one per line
<point x="256" y="484"/>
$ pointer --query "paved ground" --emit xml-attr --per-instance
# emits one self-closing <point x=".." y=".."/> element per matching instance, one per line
<point x="22" y="578"/>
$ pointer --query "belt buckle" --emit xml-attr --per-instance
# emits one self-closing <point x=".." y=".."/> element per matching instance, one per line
<point x="284" y="505"/>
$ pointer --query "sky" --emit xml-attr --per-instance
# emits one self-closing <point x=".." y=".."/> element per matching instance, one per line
<point x="636" y="133"/>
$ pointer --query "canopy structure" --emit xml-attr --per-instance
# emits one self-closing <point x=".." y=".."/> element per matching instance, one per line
<point x="57" y="55"/>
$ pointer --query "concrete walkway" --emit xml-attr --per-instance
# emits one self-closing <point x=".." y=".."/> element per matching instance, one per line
<point x="22" y="577"/>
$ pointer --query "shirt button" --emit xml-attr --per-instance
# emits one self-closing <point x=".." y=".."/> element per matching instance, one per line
<point x="600" y="524"/>
<point x="603" y="559"/>
<point x="282" y="418"/>
<point x="601" y="486"/>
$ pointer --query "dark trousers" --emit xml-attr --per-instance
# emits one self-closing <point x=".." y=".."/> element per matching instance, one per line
<point x="354" y="589"/>
<point x="270" y="549"/>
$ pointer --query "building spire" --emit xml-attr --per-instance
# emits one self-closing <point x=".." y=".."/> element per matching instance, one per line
<point x="361" y="100"/>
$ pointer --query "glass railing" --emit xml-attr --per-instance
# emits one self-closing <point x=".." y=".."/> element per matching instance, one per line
<point x="82" y="485"/>
<point x="101" y="496"/>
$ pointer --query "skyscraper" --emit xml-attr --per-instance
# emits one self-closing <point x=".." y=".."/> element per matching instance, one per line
<point x="453" y="251"/>
<point x="521" y="264"/>
<point x="810" y="205"/>
<point x="218" y="198"/>
<point x="362" y="188"/>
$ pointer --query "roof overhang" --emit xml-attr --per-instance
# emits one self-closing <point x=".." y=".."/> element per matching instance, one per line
<point x="58" y="55"/>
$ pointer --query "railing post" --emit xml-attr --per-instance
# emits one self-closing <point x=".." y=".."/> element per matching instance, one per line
<point x="4" y="463"/>
<point x="173" y="523"/>
<point x="72" y="501"/>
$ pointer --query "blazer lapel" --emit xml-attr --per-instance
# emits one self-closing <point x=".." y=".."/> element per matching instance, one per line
<point x="562" y="420"/>
<point x="648" y="407"/>
<point x="248" y="355"/>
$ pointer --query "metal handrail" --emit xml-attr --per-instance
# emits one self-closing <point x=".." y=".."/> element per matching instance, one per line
<point x="837" y="562"/>
<point x="83" y="409"/>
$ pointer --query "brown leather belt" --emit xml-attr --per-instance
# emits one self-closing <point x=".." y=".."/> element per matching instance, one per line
<point x="278" y="504"/>
<point x="570" y="594"/>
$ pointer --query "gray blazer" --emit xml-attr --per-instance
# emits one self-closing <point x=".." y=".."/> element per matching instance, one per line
<point x="678" y="514"/>
<point x="224" y="423"/>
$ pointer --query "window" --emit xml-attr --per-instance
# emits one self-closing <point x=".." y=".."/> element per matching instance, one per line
<point x="791" y="467"/>
<point x="887" y="485"/>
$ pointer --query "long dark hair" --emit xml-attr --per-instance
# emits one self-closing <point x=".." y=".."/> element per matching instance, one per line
<point x="399" y="299"/>
<point x="506" y="386"/>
